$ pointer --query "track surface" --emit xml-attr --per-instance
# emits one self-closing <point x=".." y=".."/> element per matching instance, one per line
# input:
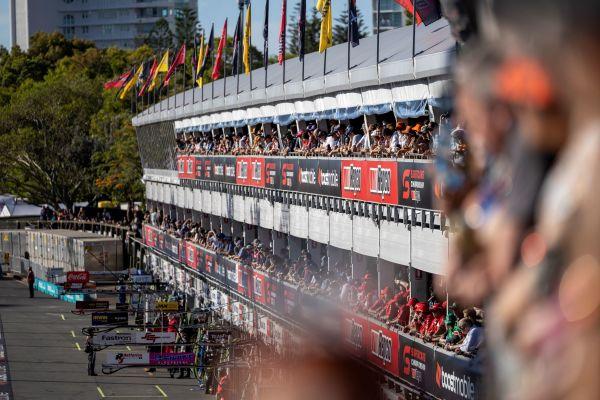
<point x="41" y="337"/>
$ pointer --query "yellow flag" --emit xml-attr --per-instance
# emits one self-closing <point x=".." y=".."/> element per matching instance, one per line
<point x="201" y="55"/>
<point x="326" y="40"/>
<point x="163" y="66"/>
<point x="247" y="33"/>
<point x="131" y="82"/>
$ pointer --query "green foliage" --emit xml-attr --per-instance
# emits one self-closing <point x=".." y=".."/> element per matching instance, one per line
<point x="63" y="138"/>
<point x="186" y="26"/>
<point x="312" y="31"/>
<point x="340" y="28"/>
<point x="160" y="37"/>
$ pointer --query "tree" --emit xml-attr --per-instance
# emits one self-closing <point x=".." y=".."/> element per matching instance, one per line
<point x="186" y="26"/>
<point x="47" y="150"/>
<point x="160" y="37"/>
<point x="312" y="31"/>
<point x="340" y="28"/>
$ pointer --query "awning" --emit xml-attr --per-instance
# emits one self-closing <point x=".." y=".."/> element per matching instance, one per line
<point x="239" y="118"/>
<point x="410" y="100"/>
<point x="305" y="110"/>
<point x="326" y="107"/>
<point x="253" y="115"/>
<point x="349" y="105"/>
<point x="286" y="113"/>
<point x="377" y="101"/>
<point x="440" y="93"/>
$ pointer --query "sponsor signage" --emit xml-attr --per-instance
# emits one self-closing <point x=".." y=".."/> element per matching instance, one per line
<point x="80" y="277"/>
<point x="91" y="305"/>
<point x="110" y="318"/>
<point x="110" y="338"/>
<point x="385" y="181"/>
<point x="121" y="358"/>
<point x="166" y="306"/>
<point x="172" y="358"/>
<point x="141" y="278"/>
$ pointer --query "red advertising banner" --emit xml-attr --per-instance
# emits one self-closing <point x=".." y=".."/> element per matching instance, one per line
<point x="250" y="171"/>
<point x="259" y="286"/>
<point x="190" y="255"/>
<point x="80" y="277"/>
<point x="370" y="180"/>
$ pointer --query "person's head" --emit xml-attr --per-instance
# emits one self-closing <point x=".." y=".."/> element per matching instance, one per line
<point x="30" y="270"/>
<point x="470" y="313"/>
<point x="465" y="325"/>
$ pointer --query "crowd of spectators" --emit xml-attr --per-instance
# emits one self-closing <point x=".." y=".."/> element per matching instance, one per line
<point x="431" y="320"/>
<point x="106" y="216"/>
<point x="421" y="139"/>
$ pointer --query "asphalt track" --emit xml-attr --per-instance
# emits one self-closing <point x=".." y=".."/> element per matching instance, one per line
<point x="44" y="347"/>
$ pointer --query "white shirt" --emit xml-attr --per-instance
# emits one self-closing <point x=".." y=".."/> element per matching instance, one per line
<point x="473" y="340"/>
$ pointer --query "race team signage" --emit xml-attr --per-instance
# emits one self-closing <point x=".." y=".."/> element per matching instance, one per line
<point x="124" y="359"/>
<point x="113" y="339"/>
<point x="166" y="306"/>
<point x="91" y="305"/>
<point x="110" y="318"/>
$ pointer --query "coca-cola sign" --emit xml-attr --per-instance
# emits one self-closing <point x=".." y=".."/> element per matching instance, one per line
<point x="78" y="277"/>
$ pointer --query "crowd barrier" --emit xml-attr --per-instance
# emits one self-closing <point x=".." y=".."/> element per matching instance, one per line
<point x="438" y="372"/>
<point x="407" y="182"/>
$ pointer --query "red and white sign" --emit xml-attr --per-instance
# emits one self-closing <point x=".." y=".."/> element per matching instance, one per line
<point x="80" y="277"/>
<point x="370" y="180"/>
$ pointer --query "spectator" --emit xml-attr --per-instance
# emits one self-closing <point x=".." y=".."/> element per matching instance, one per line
<point x="473" y="338"/>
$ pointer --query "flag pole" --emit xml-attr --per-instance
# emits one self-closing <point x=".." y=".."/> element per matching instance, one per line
<point x="378" y="19"/>
<point x="183" y="105"/>
<point x="325" y="62"/>
<point x="414" y="30"/>
<point x="349" y="25"/>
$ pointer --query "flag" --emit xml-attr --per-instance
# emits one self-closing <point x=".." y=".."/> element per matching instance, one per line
<point x="144" y="75"/>
<point x="302" y="30"/>
<point x="163" y="66"/>
<point x="179" y="60"/>
<point x="194" y="59"/>
<point x="148" y="76"/>
<point x="354" y="34"/>
<point x="408" y="5"/>
<point x="216" y="72"/>
<point x="198" y="68"/>
<point x="247" y="33"/>
<point x="281" y="54"/>
<point x="208" y="51"/>
<point x="119" y="82"/>
<point x="236" y="45"/>
<point x="132" y="82"/>
<point x="428" y="11"/>
<point x="266" y="36"/>
<point x="326" y="39"/>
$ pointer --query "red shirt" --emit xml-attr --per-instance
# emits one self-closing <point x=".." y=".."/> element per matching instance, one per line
<point x="434" y="324"/>
<point x="391" y="309"/>
<point x="422" y="327"/>
<point x="403" y="315"/>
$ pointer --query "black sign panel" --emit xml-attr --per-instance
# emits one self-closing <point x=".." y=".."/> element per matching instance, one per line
<point x="109" y="318"/>
<point x="91" y="305"/>
<point x="273" y="173"/>
<point x="329" y="177"/>
<point x="416" y="184"/>
<point x="122" y="306"/>
<point x="438" y="372"/>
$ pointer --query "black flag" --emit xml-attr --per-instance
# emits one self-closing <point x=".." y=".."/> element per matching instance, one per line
<point x="353" y="32"/>
<point x="429" y="10"/>
<point x="236" y="45"/>
<point x="302" y="30"/>
<point x="266" y="36"/>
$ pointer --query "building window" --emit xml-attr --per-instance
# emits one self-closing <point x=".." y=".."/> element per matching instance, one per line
<point x="107" y="29"/>
<point x="68" y="19"/>
<point x="85" y="29"/>
<point x="84" y="15"/>
<point x="67" y="1"/>
<point x="124" y="28"/>
<point x="165" y="12"/>
<point x="68" y="31"/>
<point x="123" y="13"/>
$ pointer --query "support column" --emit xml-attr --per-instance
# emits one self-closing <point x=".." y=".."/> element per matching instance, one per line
<point x="418" y="284"/>
<point x="215" y="223"/>
<point x="264" y="235"/>
<point x="280" y="244"/>
<point x="359" y="265"/>
<point x="295" y="246"/>
<point x="281" y="133"/>
<point x="237" y="229"/>
<point x="249" y="233"/>
<point x="385" y="273"/>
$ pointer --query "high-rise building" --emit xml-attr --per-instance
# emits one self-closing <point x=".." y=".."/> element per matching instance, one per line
<point x="106" y="22"/>
<point x="392" y="15"/>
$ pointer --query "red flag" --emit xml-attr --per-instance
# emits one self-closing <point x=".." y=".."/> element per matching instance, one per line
<point x="149" y="77"/>
<point x="179" y="60"/>
<point x="216" y="73"/>
<point x="119" y="82"/>
<point x="408" y="5"/>
<point x="282" y="28"/>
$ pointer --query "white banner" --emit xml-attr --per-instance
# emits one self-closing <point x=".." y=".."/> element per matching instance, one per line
<point x="121" y="358"/>
<point x="109" y="338"/>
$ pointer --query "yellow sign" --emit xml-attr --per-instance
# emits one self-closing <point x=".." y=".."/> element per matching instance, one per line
<point x="166" y="306"/>
<point x="5" y="237"/>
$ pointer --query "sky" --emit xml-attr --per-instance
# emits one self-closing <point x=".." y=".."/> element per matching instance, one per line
<point x="217" y="10"/>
